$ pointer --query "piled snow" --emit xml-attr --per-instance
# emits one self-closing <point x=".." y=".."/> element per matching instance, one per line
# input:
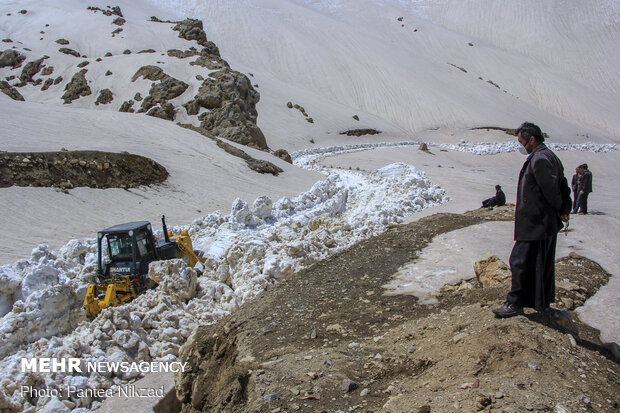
<point x="309" y="157"/>
<point x="247" y="251"/>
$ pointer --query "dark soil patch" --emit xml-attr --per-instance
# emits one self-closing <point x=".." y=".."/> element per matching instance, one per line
<point x="328" y="339"/>
<point x="71" y="169"/>
<point x="508" y="131"/>
<point x="360" y="132"/>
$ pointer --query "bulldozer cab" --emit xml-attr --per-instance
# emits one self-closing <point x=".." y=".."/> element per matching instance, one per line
<point x="125" y="250"/>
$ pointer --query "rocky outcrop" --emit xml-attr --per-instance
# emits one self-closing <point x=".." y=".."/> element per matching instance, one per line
<point x="191" y="29"/>
<point x="163" y="111"/>
<point x="127" y="106"/>
<point x="284" y="155"/>
<point x="183" y="54"/>
<point x="156" y="103"/>
<point x="68" y="51"/>
<point x="77" y="87"/>
<point x="231" y="101"/>
<point x="30" y="69"/>
<point x="260" y="166"/>
<point x="47" y="84"/>
<point x="360" y="132"/>
<point x="490" y="271"/>
<point x="153" y="73"/>
<point x="105" y="97"/>
<point x="11" y="58"/>
<point x="10" y="91"/>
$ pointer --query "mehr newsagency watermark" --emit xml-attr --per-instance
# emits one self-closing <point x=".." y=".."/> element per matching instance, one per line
<point x="76" y="365"/>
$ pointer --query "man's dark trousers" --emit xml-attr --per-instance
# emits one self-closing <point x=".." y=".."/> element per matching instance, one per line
<point x="583" y="203"/>
<point x="533" y="284"/>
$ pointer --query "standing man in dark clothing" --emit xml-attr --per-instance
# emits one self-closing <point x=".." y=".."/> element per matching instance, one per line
<point x="539" y="214"/>
<point x="498" y="200"/>
<point x="575" y="187"/>
<point x="585" y="187"/>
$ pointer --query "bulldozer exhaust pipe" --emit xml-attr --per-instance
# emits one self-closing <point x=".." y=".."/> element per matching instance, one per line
<point x="163" y="224"/>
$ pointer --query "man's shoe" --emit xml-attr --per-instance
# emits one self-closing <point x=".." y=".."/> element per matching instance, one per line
<point x="508" y="310"/>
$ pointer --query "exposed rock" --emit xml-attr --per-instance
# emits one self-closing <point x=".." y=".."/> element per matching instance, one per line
<point x="108" y="73"/>
<point x="210" y="63"/>
<point x="105" y="97"/>
<point x="10" y="91"/>
<point x="47" y="84"/>
<point x="490" y="271"/>
<point x="210" y="48"/>
<point x="349" y="385"/>
<point x="284" y="155"/>
<point x="68" y="51"/>
<point x="260" y="166"/>
<point x="180" y="54"/>
<point x="70" y="169"/>
<point x="231" y="101"/>
<point x="254" y="164"/>
<point x="165" y="111"/>
<point x="356" y="117"/>
<point x="63" y="42"/>
<point x="77" y="87"/>
<point x="116" y="10"/>
<point x="167" y="88"/>
<point x="126" y="51"/>
<point x="48" y="70"/>
<point x="191" y="29"/>
<point x="127" y="106"/>
<point x="11" y="58"/>
<point x="31" y="69"/>
<point x="117" y="31"/>
<point x="264" y="167"/>
<point x="360" y="132"/>
<point x="84" y="63"/>
<point x="138" y="97"/>
<point x="147" y="51"/>
<point x="58" y="80"/>
<point x="153" y="73"/>
<point x="215" y="370"/>
<point x="119" y="21"/>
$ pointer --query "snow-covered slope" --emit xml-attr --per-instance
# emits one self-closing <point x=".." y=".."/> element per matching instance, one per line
<point x="554" y="62"/>
<point x="417" y="70"/>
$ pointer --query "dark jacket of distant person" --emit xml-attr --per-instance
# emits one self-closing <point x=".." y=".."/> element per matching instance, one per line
<point x="539" y="199"/>
<point x="586" y="180"/>
<point x="500" y="196"/>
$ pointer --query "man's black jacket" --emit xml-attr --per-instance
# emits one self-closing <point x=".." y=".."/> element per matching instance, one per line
<point x="539" y="196"/>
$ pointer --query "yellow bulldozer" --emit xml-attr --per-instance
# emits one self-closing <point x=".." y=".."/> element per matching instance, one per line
<point x="124" y="254"/>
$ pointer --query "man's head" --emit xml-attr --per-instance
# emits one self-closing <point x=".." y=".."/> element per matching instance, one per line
<point x="530" y="136"/>
<point x="583" y="166"/>
<point x="497" y="187"/>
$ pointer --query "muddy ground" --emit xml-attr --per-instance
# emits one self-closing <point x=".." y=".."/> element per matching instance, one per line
<point x="328" y="340"/>
<point x="71" y="169"/>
